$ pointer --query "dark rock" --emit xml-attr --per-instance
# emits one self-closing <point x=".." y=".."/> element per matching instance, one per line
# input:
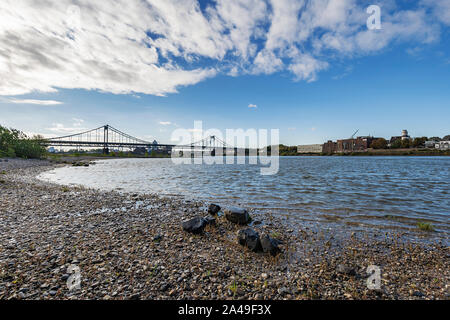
<point x="270" y="245"/>
<point x="250" y="238"/>
<point x="213" y="209"/>
<point x="157" y="238"/>
<point x="237" y="215"/>
<point x="345" y="270"/>
<point x="196" y="225"/>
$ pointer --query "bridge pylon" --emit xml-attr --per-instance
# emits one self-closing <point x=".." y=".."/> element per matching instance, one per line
<point x="105" y="139"/>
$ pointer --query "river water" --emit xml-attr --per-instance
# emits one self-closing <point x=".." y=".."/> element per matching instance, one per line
<point x="387" y="192"/>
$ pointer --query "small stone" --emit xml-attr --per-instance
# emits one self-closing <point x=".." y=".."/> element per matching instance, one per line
<point x="283" y="291"/>
<point x="418" y="294"/>
<point x="345" y="270"/>
<point x="264" y="276"/>
<point x="210" y="221"/>
<point x="135" y="296"/>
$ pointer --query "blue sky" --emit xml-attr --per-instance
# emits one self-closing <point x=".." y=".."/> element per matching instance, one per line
<point x="314" y="87"/>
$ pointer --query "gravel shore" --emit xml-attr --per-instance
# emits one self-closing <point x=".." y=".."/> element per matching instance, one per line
<point x="132" y="246"/>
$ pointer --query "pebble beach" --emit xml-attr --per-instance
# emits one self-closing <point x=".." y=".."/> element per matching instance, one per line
<point x="132" y="246"/>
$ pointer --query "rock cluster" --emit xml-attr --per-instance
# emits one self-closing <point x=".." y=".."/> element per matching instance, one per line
<point x="246" y="237"/>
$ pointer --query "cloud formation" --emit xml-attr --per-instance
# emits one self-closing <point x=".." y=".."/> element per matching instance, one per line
<point x="38" y="102"/>
<point x="154" y="47"/>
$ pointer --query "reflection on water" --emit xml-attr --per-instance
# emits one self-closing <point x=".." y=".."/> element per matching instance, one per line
<point x="390" y="191"/>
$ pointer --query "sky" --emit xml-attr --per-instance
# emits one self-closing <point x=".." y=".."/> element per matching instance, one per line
<point x="316" y="70"/>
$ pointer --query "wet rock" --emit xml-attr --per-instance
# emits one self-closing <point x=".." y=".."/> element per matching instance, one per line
<point x="213" y="209"/>
<point x="237" y="215"/>
<point x="250" y="239"/>
<point x="195" y="225"/>
<point x="347" y="270"/>
<point x="270" y="245"/>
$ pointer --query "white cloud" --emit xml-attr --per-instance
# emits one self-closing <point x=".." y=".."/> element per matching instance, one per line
<point x="60" y="128"/>
<point x="440" y="9"/>
<point x="154" y="47"/>
<point x="165" y="123"/>
<point x="38" y="102"/>
<point x="252" y="106"/>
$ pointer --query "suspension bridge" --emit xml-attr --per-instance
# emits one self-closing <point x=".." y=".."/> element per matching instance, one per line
<point x="109" y="138"/>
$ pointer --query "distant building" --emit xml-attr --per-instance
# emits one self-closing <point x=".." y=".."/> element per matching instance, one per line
<point x="443" y="145"/>
<point x="310" y="148"/>
<point x="348" y="145"/>
<point x="431" y="144"/>
<point x="404" y="136"/>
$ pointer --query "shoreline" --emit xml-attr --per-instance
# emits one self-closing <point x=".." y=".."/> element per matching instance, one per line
<point x="112" y="237"/>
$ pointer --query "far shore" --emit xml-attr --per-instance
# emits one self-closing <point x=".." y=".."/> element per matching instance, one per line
<point x="132" y="246"/>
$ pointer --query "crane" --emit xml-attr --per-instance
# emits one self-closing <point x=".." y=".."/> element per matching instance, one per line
<point x="353" y="135"/>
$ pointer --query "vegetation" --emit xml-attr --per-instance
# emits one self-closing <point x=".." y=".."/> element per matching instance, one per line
<point x="425" y="226"/>
<point x="15" y="143"/>
<point x="419" y="142"/>
<point x="379" y="144"/>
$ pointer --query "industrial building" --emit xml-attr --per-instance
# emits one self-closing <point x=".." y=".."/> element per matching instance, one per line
<point x="348" y="145"/>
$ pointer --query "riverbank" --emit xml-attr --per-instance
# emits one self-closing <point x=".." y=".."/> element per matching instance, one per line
<point x="384" y="152"/>
<point x="131" y="246"/>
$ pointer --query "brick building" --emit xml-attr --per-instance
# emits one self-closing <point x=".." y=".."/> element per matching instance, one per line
<point x="348" y="145"/>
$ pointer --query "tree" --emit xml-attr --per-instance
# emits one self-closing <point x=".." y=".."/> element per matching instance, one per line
<point x="15" y="143"/>
<point x="406" y="143"/>
<point x="419" y="142"/>
<point x="396" y="144"/>
<point x="379" y="144"/>
<point x="446" y="138"/>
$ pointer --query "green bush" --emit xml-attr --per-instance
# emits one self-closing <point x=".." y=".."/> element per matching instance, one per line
<point x="14" y="143"/>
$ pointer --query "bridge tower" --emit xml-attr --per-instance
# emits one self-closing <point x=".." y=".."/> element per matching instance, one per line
<point x="105" y="139"/>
